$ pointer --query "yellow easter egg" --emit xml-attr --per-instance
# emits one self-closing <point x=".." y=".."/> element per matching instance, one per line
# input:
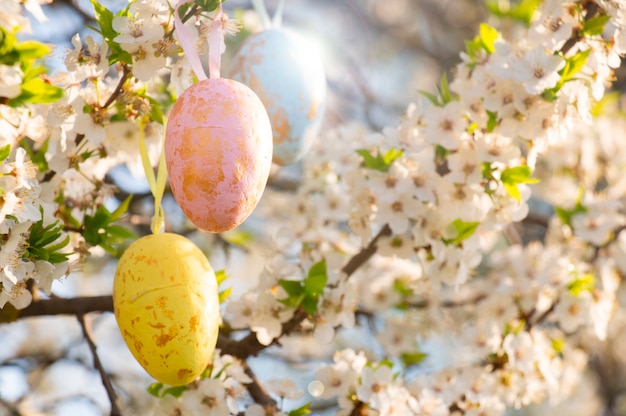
<point x="166" y="305"/>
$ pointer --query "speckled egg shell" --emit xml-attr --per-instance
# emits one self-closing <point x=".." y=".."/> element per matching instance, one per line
<point x="289" y="79"/>
<point x="218" y="150"/>
<point x="167" y="308"/>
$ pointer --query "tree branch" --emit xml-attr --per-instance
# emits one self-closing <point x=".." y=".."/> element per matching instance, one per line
<point x="258" y="392"/>
<point x="364" y="255"/>
<point x="250" y="345"/>
<point x="106" y="380"/>
<point x="67" y="306"/>
<point x="244" y="348"/>
<point x="592" y="9"/>
<point x="118" y="88"/>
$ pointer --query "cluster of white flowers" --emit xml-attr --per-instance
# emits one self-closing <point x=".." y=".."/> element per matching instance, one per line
<point x="442" y="184"/>
<point x="21" y="206"/>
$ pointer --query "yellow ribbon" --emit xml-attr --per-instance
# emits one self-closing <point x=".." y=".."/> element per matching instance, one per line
<point x="157" y="185"/>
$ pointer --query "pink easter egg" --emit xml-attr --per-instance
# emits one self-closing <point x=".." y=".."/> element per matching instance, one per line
<point x="218" y="151"/>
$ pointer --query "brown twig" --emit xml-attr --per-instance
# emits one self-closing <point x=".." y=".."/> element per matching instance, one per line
<point x="541" y="319"/>
<point x="614" y="236"/>
<point x="448" y="303"/>
<point x="106" y="380"/>
<point x="592" y="9"/>
<point x="118" y="88"/>
<point x="364" y="255"/>
<point x="258" y="392"/>
<point x="65" y="306"/>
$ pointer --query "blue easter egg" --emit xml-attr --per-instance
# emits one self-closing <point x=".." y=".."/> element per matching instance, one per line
<point x="288" y="76"/>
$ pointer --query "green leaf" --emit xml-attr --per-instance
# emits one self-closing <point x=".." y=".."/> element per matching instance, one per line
<point x="492" y="122"/>
<point x="441" y="154"/>
<point x="487" y="170"/>
<point x="56" y="258"/>
<point x="208" y="5"/>
<point x="309" y="304"/>
<point x="118" y="54"/>
<point x="391" y="155"/>
<point x="565" y="215"/>
<point x="558" y="345"/>
<point x="488" y="36"/>
<point x="514" y="327"/>
<point x="104" y="18"/>
<point x="121" y="209"/>
<point x="156" y="114"/>
<point x="386" y="362"/>
<point x="32" y="50"/>
<point x="292" y="302"/>
<point x="514" y="176"/>
<point x="101" y="218"/>
<point x="318" y="268"/>
<point x="58" y="246"/>
<point x="413" y="358"/>
<point x="517" y="175"/>
<point x="607" y="102"/>
<point x="550" y="94"/>
<point x="183" y="9"/>
<point x="175" y="391"/>
<point x="155" y="389"/>
<point x="44" y="243"/>
<point x="523" y="11"/>
<point x="120" y="232"/>
<point x="292" y="287"/>
<point x="380" y="162"/>
<point x="582" y="283"/>
<point x="513" y="191"/>
<point x="444" y="89"/>
<point x="219" y="373"/>
<point x="238" y="237"/>
<point x="98" y="229"/>
<point x="431" y="97"/>
<point x="220" y="276"/>
<point x="306" y="293"/>
<point x="574" y="64"/>
<point x="464" y="230"/>
<point x="37" y="91"/>
<point x="37" y="157"/>
<point x="484" y="41"/>
<point x="8" y="55"/>
<point x="5" y="151"/>
<point x="224" y="294"/>
<point x="400" y="287"/>
<point x="595" y="25"/>
<point x="314" y="285"/>
<point x="301" y="411"/>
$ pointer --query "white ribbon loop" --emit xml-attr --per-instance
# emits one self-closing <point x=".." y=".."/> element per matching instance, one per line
<point x="186" y="42"/>
<point x="216" y="39"/>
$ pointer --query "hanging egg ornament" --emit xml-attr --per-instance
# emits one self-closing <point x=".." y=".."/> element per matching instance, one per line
<point x="167" y="308"/>
<point x="282" y="68"/>
<point x="218" y="151"/>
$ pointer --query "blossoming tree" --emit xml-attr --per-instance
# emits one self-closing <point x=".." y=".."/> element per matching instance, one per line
<point x="417" y="234"/>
